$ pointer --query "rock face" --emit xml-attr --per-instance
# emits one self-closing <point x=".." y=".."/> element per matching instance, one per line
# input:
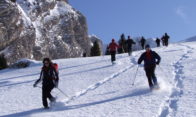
<point x="41" y="28"/>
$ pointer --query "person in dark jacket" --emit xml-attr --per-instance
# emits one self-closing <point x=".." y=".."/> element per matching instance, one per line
<point x="143" y="41"/>
<point x="163" y="40"/>
<point x="130" y="42"/>
<point x="158" y="42"/>
<point x="151" y="59"/>
<point x="112" y="48"/>
<point x="166" y="38"/>
<point x="49" y="77"/>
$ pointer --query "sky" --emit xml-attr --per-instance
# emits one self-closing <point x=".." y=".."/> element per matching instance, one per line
<point x="108" y="19"/>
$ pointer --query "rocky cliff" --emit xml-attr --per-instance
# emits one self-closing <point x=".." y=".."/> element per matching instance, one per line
<point x="41" y="28"/>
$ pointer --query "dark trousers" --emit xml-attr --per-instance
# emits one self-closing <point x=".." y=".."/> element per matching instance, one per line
<point x="113" y="55"/>
<point x="129" y="51"/>
<point x="158" y="44"/>
<point x="46" y="93"/>
<point x="142" y="44"/>
<point x="166" y="43"/>
<point x="150" y="73"/>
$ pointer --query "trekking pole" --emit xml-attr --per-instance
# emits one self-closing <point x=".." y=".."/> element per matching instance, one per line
<point x="63" y="92"/>
<point x="135" y="75"/>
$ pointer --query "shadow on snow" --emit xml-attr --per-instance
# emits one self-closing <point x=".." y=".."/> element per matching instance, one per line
<point x="71" y="107"/>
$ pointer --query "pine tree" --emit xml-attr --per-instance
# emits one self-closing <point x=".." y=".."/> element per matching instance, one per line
<point x="107" y="52"/>
<point x="95" y="50"/>
<point x="3" y="62"/>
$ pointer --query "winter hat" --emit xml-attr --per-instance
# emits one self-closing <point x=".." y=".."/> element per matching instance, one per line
<point x="147" y="46"/>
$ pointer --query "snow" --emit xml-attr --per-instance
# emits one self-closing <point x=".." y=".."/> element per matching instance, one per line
<point x="191" y="39"/>
<point x="25" y="17"/>
<point x="96" y="88"/>
<point x="27" y="9"/>
<point x="32" y="62"/>
<point x="61" y="8"/>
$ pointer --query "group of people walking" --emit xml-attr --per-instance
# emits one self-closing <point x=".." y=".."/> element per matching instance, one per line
<point x="164" y="39"/>
<point x="150" y="58"/>
<point x="49" y="73"/>
<point x="113" y="46"/>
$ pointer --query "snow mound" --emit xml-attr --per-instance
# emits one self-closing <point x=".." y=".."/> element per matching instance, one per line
<point x="23" y="63"/>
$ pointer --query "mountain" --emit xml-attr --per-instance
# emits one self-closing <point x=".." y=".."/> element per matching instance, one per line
<point x="191" y="39"/>
<point x="42" y="28"/>
<point x="96" y="88"/>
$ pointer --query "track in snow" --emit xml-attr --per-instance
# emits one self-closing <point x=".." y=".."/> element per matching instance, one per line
<point x="105" y="80"/>
<point x="170" y="106"/>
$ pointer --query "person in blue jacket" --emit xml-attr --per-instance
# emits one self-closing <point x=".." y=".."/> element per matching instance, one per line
<point x="151" y="59"/>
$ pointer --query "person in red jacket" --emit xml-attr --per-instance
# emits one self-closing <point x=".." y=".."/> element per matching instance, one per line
<point x="112" y="48"/>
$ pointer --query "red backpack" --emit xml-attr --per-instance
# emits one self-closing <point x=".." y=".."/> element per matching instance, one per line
<point x="56" y="67"/>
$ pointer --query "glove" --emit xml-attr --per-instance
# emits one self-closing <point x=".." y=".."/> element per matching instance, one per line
<point x="35" y="85"/>
<point x="157" y="63"/>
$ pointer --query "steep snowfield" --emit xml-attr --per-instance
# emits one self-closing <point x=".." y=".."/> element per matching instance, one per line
<point x="98" y="89"/>
<point x="190" y="39"/>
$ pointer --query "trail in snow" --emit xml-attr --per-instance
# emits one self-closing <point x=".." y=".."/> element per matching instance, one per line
<point x="170" y="105"/>
<point x="98" y="84"/>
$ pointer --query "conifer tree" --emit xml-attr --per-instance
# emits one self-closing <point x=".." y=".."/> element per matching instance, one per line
<point x="3" y="62"/>
<point x="95" y="50"/>
<point x="107" y="52"/>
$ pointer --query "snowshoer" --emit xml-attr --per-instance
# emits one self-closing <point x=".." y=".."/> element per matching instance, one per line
<point x="49" y="77"/>
<point x="142" y="41"/>
<point x="151" y="59"/>
<point x="158" y="42"/>
<point x="130" y="42"/>
<point x="166" y="39"/>
<point x="163" y="40"/>
<point x="112" y="48"/>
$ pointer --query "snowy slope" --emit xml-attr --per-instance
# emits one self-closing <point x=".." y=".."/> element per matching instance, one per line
<point x="191" y="39"/>
<point x="99" y="89"/>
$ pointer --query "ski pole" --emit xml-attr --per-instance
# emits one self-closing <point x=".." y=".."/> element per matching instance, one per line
<point x="62" y="92"/>
<point x="135" y="75"/>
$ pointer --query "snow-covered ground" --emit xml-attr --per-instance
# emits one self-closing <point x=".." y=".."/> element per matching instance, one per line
<point x="98" y="89"/>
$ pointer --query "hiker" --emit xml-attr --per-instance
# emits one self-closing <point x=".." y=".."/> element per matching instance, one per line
<point x="130" y="42"/>
<point x="142" y="41"/>
<point x="49" y="77"/>
<point x="113" y="46"/>
<point x="166" y="39"/>
<point x="163" y="40"/>
<point x="158" y="42"/>
<point x="151" y="59"/>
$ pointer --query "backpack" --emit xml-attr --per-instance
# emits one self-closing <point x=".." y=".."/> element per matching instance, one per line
<point x="56" y="67"/>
